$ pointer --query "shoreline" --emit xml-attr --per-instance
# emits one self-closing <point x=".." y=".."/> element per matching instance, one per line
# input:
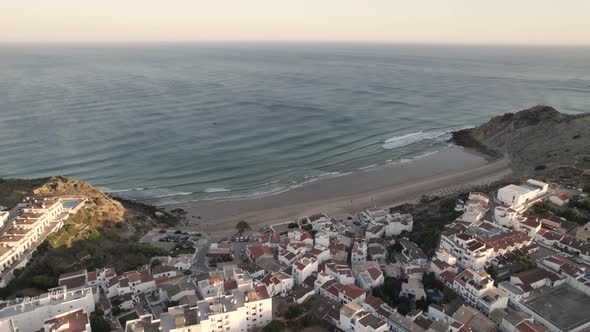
<point x="448" y="170"/>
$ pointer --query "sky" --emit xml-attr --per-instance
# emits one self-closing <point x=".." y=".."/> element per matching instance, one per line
<point x="523" y="22"/>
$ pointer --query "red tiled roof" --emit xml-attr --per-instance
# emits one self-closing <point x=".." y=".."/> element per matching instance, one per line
<point x="215" y="280"/>
<point x="528" y="326"/>
<point x="531" y="276"/>
<point x="374" y="273"/>
<point x="260" y="250"/>
<point x="531" y="223"/>
<point x="230" y="285"/>
<point x="448" y="276"/>
<point x="91" y="276"/>
<point x="316" y="217"/>
<point x="353" y="291"/>
<point x="306" y="236"/>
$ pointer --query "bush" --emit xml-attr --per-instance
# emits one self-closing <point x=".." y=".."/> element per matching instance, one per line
<point x="242" y="226"/>
<point x="93" y="235"/>
<point x="42" y="282"/>
<point x="294" y="311"/>
<point x="572" y="215"/>
<point x="99" y="324"/>
<point x="275" y="326"/>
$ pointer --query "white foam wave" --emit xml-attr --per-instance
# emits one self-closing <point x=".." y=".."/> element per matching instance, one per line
<point x="116" y="191"/>
<point x="216" y="190"/>
<point x="181" y="193"/>
<point x="407" y="139"/>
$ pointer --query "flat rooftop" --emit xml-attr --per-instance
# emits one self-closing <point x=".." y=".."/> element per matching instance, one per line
<point x="561" y="306"/>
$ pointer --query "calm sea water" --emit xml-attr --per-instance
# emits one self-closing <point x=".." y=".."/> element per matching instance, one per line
<point x="171" y="123"/>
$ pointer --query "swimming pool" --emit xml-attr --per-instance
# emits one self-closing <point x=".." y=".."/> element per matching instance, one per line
<point x="70" y="204"/>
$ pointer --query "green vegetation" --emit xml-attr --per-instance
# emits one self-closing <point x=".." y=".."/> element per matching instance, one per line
<point x="522" y="263"/>
<point x="13" y="190"/>
<point x="587" y="187"/>
<point x="98" y="323"/>
<point x="274" y="326"/>
<point x="389" y="293"/>
<point x="294" y="311"/>
<point x="242" y="226"/>
<point x="107" y="228"/>
<point x="130" y="316"/>
<point x="396" y="247"/>
<point x="544" y="207"/>
<point x="179" y="250"/>
<point x="572" y="214"/>
<point x="430" y="218"/>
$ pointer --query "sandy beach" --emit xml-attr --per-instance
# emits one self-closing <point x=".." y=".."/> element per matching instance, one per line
<point x="449" y="170"/>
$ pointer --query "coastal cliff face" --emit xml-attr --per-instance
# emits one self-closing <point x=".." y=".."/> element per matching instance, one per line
<point x="535" y="140"/>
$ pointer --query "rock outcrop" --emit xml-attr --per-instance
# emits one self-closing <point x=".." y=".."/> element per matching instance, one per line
<point x="535" y="140"/>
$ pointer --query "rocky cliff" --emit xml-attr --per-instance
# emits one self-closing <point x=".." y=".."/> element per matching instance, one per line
<point x="535" y="140"/>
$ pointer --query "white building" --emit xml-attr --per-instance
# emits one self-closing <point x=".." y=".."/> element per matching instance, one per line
<point x="354" y="318"/>
<point x="278" y="283"/>
<point x="75" y="321"/>
<point x="492" y="299"/>
<point x="519" y="197"/>
<point x="36" y="215"/>
<point x="4" y="216"/>
<point x="559" y="200"/>
<point x="397" y="223"/>
<point x="238" y="312"/>
<point x="471" y="285"/>
<point x="303" y="268"/>
<point x="30" y="314"/>
<point x="359" y="251"/>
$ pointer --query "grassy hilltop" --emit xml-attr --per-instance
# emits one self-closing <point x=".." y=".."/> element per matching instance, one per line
<point x="107" y="228"/>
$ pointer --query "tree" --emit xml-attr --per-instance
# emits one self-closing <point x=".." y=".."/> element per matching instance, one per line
<point x="242" y="226"/>
<point x="99" y="324"/>
<point x="491" y="270"/>
<point x="155" y="263"/>
<point x="294" y="310"/>
<point x="571" y="214"/>
<point x="275" y="326"/>
<point x="404" y="306"/>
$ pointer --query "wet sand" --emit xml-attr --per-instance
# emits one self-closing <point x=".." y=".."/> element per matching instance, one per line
<point x="449" y="170"/>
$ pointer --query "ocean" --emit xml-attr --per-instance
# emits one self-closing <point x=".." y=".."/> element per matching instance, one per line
<point x="171" y="123"/>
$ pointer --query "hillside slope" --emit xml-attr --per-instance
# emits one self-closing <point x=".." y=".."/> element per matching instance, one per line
<point x="106" y="228"/>
<point x="536" y="140"/>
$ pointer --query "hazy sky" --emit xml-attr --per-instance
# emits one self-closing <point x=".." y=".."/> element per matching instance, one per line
<point x="438" y="21"/>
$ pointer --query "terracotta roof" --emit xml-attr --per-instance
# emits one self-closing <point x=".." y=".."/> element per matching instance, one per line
<point x="372" y="321"/>
<point x="448" y="276"/>
<point x="91" y="276"/>
<point x="374" y="273"/>
<point x="528" y="326"/>
<point x="306" y="236"/>
<point x="531" y="276"/>
<point x="316" y="217"/>
<point x="531" y="223"/>
<point x="353" y="291"/>
<point x="230" y="285"/>
<point x="215" y="280"/>
<point x="257" y="250"/>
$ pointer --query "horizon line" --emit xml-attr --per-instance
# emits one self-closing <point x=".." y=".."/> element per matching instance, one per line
<point x="256" y="41"/>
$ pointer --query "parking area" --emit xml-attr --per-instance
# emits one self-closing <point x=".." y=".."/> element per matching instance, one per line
<point x="168" y="239"/>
